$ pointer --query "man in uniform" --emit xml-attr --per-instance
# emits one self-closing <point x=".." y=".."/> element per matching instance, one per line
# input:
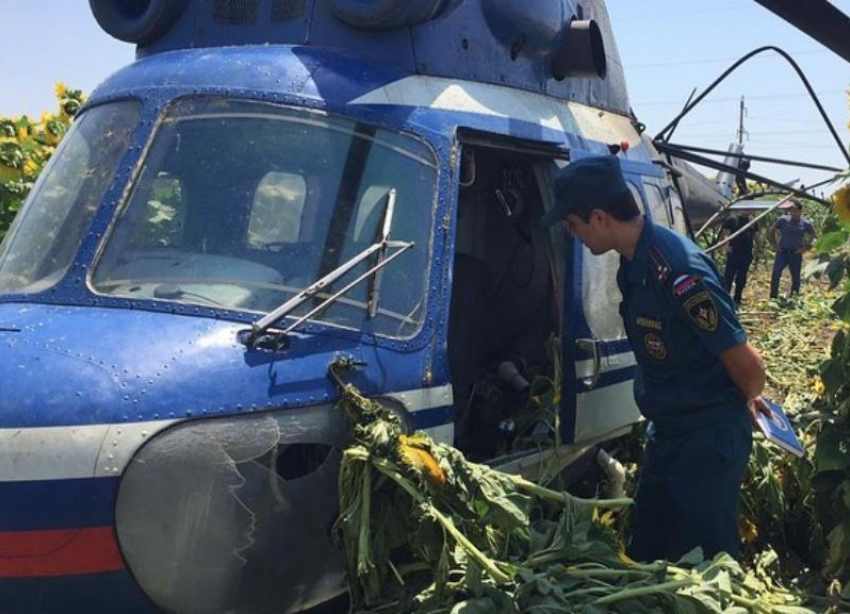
<point x="739" y="252"/>
<point x="698" y="379"/>
<point x="796" y="234"/>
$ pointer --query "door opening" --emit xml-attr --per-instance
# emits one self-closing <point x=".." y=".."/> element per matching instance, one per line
<point x="504" y="310"/>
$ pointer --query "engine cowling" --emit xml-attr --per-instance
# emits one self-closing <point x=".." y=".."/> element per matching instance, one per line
<point x="386" y="14"/>
<point x="137" y="21"/>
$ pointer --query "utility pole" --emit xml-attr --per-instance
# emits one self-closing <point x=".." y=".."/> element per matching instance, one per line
<point x="741" y="114"/>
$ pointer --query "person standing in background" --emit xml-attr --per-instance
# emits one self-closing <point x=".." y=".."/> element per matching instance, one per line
<point x="795" y="237"/>
<point x="739" y="253"/>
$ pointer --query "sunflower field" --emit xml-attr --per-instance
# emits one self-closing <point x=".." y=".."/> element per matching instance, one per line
<point x="26" y="145"/>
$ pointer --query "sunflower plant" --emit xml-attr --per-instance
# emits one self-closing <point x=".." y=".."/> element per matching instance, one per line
<point x="830" y="476"/>
<point x="26" y="145"/>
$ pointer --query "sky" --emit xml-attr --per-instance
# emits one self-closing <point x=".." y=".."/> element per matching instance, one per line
<point x="668" y="48"/>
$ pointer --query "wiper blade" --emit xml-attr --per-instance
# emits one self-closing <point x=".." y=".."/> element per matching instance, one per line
<point x="265" y="323"/>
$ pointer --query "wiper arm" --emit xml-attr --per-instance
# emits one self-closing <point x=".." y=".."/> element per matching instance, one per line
<point x="263" y="324"/>
<point x="386" y="227"/>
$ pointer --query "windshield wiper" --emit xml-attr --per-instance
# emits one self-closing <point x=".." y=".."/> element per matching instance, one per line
<point x="382" y="247"/>
<point x="386" y="227"/>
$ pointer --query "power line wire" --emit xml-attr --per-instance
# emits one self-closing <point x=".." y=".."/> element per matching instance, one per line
<point x="714" y="60"/>
<point x="737" y="98"/>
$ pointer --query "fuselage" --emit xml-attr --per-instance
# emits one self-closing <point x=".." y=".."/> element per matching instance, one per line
<point x="148" y="456"/>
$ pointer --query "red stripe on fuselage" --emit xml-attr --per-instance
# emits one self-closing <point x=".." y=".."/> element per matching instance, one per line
<point x="34" y="554"/>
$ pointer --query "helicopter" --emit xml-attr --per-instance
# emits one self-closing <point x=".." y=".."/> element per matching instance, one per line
<point x="272" y="187"/>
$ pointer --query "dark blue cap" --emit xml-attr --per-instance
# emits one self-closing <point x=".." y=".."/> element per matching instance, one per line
<point x="586" y="184"/>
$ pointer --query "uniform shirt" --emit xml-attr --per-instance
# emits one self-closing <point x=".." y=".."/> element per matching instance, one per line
<point x="678" y="319"/>
<point x="743" y="243"/>
<point x="793" y="232"/>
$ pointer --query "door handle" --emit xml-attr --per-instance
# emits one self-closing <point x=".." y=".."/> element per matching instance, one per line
<point x="592" y="346"/>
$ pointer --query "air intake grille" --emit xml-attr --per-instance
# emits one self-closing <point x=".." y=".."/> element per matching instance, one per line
<point x="284" y="10"/>
<point x="235" y="12"/>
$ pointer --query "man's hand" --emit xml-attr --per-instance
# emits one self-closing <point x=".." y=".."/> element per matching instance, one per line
<point x="746" y="369"/>
<point x="759" y="406"/>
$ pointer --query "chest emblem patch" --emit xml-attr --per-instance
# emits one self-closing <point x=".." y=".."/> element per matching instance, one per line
<point x="703" y="311"/>
<point x="655" y="346"/>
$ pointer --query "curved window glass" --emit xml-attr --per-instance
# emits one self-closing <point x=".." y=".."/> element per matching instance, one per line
<point x="47" y="233"/>
<point x="242" y="205"/>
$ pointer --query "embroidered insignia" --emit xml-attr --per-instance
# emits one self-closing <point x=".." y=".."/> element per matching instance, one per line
<point x="649" y="323"/>
<point x="659" y="264"/>
<point x="655" y="346"/>
<point x="703" y="311"/>
<point x="684" y="284"/>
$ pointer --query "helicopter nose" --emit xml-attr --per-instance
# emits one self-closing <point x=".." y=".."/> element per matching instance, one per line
<point x="57" y="513"/>
<point x="241" y="508"/>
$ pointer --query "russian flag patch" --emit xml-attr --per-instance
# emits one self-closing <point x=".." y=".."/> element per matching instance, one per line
<point x="684" y="284"/>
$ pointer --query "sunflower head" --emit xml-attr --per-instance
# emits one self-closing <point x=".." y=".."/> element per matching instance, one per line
<point x="31" y="167"/>
<point x="841" y="203"/>
<point x="413" y="455"/>
<point x="61" y="90"/>
<point x="747" y="529"/>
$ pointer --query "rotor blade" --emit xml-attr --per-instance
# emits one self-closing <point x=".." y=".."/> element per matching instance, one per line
<point x="817" y="18"/>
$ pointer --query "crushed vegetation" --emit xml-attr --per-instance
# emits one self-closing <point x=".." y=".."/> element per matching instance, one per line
<point x="427" y="532"/>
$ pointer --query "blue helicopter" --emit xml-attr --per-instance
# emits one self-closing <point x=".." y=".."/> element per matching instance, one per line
<point x="275" y="186"/>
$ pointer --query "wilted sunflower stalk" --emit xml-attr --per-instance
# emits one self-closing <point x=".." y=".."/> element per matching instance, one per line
<point x="426" y="531"/>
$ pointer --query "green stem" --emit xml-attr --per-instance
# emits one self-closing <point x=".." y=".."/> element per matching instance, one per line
<point x="604" y="573"/>
<point x="751" y="604"/>
<point x="665" y="587"/>
<point x="564" y="497"/>
<point x="395" y="572"/>
<point x="489" y="566"/>
<point x="363" y="541"/>
<point x="410" y="568"/>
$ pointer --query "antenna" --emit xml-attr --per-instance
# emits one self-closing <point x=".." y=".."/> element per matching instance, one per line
<point x="741" y="114"/>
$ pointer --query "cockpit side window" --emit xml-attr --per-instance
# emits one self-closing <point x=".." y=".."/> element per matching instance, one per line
<point x="44" y="239"/>
<point x="639" y="199"/>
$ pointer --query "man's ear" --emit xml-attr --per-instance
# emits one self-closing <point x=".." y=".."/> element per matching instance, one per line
<point x="601" y="218"/>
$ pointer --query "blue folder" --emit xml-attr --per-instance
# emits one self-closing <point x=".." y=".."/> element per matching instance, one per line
<point x="779" y="430"/>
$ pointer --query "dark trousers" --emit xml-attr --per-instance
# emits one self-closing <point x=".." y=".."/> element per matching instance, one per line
<point x="737" y="269"/>
<point x="689" y="490"/>
<point x="794" y="261"/>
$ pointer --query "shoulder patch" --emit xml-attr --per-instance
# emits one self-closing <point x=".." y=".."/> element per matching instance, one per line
<point x="703" y="311"/>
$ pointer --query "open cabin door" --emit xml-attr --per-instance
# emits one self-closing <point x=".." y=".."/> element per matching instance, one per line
<point x="598" y="365"/>
<point x="504" y="315"/>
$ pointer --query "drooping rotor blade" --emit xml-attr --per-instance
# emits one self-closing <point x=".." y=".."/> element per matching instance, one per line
<point x="817" y="18"/>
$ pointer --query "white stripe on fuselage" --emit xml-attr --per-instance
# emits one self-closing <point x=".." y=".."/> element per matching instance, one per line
<point x="615" y="362"/>
<point x="504" y="102"/>
<point x="103" y="450"/>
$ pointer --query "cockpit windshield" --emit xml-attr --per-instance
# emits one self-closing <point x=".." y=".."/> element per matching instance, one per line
<point x="47" y="233"/>
<point x="242" y="205"/>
